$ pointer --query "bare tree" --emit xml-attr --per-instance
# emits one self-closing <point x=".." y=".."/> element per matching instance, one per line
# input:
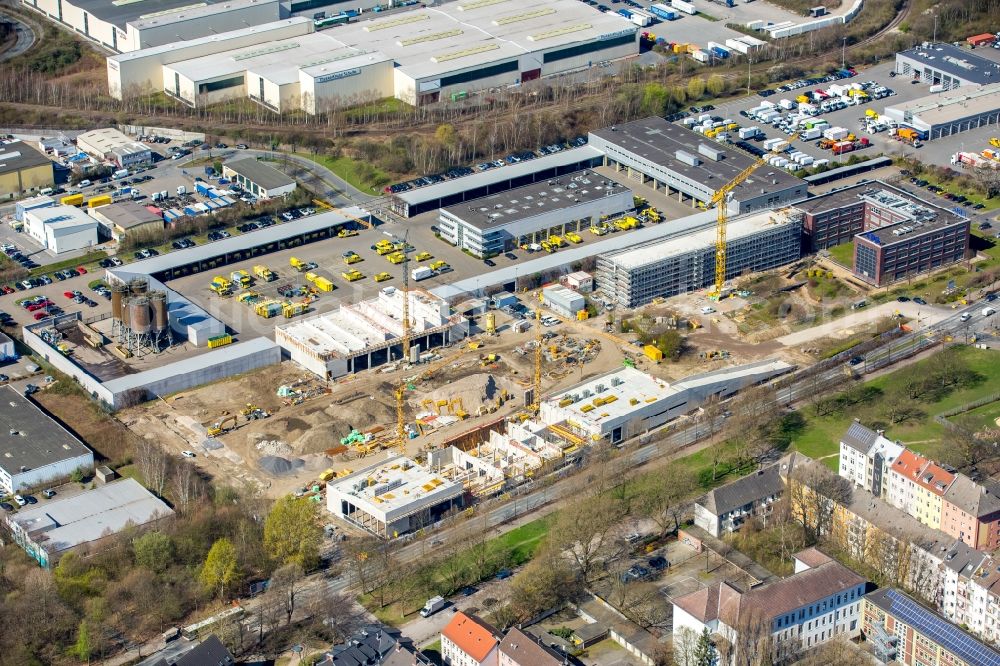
<point x="185" y="484"/>
<point x="585" y="532"/>
<point x="153" y="464"/>
<point x="286" y="584"/>
<point x="814" y="494"/>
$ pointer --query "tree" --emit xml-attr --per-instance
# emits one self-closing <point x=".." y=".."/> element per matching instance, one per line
<point x="292" y="534"/>
<point x="82" y="648"/>
<point x="685" y="646"/>
<point x="153" y="465"/>
<point x="704" y="653"/>
<point x="814" y="493"/>
<point x="285" y="586"/>
<point x="221" y="570"/>
<point x="988" y="179"/>
<point x="695" y="88"/>
<point x="153" y="550"/>
<point x="716" y="85"/>
<point x="584" y="532"/>
<point x="665" y="498"/>
<point x="655" y="98"/>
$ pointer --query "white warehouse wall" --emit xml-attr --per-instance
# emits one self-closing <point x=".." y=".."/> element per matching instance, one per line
<point x="42" y="475"/>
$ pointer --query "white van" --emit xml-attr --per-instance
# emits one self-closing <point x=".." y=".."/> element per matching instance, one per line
<point x="45" y="191"/>
<point x="85" y="183"/>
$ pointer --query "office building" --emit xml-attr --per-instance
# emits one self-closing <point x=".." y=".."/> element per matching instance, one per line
<point x="679" y="264"/>
<point x="61" y="228"/>
<point x="679" y="162"/>
<point x="531" y="214"/>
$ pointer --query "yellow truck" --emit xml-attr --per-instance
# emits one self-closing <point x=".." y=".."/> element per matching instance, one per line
<point x="438" y="265"/>
<point x="346" y="233"/>
<point x="396" y="257"/>
<point x="241" y="278"/>
<point x="102" y="200"/>
<point x="72" y="200"/>
<point x="423" y="256"/>
<point x="221" y="286"/>
<point x="297" y="263"/>
<point x="311" y="277"/>
<point x="626" y="223"/>
<point x="573" y="237"/>
<point x="556" y="241"/>
<point x="382" y="277"/>
<point x="264" y="273"/>
<point x="351" y="257"/>
<point x="323" y="284"/>
<point x="384" y="247"/>
<point x="598" y="229"/>
<point x="353" y="275"/>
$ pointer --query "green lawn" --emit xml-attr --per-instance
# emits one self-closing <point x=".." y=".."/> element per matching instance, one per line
<point x="360" y="175"/>
<point x="821" y="435"/>
<point x="985" y="416"/>
<point x="843" y="254"/>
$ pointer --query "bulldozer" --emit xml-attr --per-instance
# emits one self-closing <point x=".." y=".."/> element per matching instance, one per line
<point x="225" y="425"/>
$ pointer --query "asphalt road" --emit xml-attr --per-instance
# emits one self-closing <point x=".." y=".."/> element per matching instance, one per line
<point x="25" y="38"/>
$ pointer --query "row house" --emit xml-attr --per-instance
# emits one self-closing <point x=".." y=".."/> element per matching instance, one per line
<point x="467" y="640"/>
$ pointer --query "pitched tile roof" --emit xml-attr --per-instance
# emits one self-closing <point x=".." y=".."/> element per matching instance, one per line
<point x="935" y="478"/>
<point x="812" y="557"/>
<point x="909" y="464"/>
<point x="976" y="499"/>
<point x="471" y="635"/>
<point x="526" y="650"/>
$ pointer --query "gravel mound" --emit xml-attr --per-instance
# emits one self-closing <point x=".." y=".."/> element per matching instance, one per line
<point x="277" y="465"/>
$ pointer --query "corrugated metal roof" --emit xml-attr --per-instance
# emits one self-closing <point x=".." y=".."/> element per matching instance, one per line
<point x="493" y="176"/>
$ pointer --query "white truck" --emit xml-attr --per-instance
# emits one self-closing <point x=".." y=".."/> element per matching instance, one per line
<point x="433" y="605"/>
<point x="420" y="273"/>
<point x="988" y="311"/>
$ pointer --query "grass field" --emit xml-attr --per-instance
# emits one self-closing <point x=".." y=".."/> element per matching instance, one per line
<point x="985" y="416"/>
<point x="821" y="436"/>
<point x="843" y="254"/>
<point x="360" y="175"/>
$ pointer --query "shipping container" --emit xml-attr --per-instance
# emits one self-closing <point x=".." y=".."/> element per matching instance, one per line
<point x="72" y="200"/>
<point x="323" y="284"/>
<point x="701" y="56"/>
<point x="641" y="19"/>
<point x="682" y="5"/>
<point x="102" y="200"/>
<point x="627" y="13"/>
<point x="663" y="12"/>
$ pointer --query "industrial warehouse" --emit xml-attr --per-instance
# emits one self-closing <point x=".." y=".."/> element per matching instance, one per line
<point x="682" y="263"/>
<point x="533" y="213"/>
<point x="629" y="402"/>
<point x="392" y="497"/>
<point x="895" y="234"/>
<point x="945" y="114"/>
<point x="369" y="334"/>
<point x="677" y="161"/>
<point x="139" y="24"/>
<point x="420" y="57"/>
<point x="947" y="66"/>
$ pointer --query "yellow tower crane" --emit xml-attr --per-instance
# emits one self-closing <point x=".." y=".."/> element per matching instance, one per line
<point x="720" y="200"/>
<point x="407" y="332"/>
<point x="536" y="399"/>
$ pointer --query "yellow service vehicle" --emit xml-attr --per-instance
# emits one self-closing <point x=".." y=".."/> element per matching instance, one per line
<point x="423" y="256"/>
<point x="351" y="257"/>
<point x="382" y="277"/>
<point x="353" y="275"/>
<point x="396" y="257"/>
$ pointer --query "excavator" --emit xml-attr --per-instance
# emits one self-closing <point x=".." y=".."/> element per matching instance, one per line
<point x="253" y="413"/>
<point x="225" y="425"/>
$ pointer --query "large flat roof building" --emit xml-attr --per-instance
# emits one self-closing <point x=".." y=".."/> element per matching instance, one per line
<point x="61" y="228"/>
<point x="138" y="24"/>
<point x="940" y="64"/>
<point x="501" y="222"/>
<point x="628" y="402"/>
<point x="47" y="531"/>
<point x="35" y="448"/>
<point x="948" y="113"/>
<point x="392" y="497"/>
<point x="686" y="262"/>
<point x="23" y="170"/>
<point x="677" y="161"/>
<point x="367" y="334"/>
<point x="420" y="56"/>
<point x="258" y="178"/>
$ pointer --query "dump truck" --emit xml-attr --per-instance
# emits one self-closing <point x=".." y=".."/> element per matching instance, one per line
<point x="353" y="275"/>
<point x="221" y="286"/>
<point x="351" y="257"/>
<point x="297" y="263"/>
<point x="907" y="135"/>
<point x="264" y="273"/>
<point x="240" y="278"/>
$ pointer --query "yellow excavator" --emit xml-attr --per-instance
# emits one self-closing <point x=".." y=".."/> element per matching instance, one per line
<point x="225" y="425"/>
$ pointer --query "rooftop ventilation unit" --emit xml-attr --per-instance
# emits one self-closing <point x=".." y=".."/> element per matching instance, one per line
<point x="687" y="158"/>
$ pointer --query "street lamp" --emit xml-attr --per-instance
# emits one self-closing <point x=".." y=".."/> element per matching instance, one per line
<point x="843" y="53"/>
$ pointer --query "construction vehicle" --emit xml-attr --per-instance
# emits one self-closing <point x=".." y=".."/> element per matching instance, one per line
<point x="241" y="278"/>
<point x="650" y="215"/>
<point x="457" y="408"/>
<point x="264" y="273"/>
<point x="221" y="286"/>
<point x="908" y="135"/>
<point x="423" y="256"/>
<point x="626" y="223"/>
<point x="573" y="237"/>
<point x="297" y="263"/>
<point x="439" y="265"/>
<point x="269" y="308"/>
<point x="252" y="412"/>
<point x="226" y="424"/>
<point x="353" y="275"/>
<point x="248" y="297"/>
<point x="396" y="257"/>
<point x="311" y="277"/>
<point x="598" y="229"/>
<point x="995" y="142"/>
<point x="351" y="257"/>
<point x="382" y="277"/>
<point x="294" y="309"/>
<point x="556" y="241"/>
<point x="346" y="233"/>
<point x="323" y="284"/>
<point x="721" y="200"/>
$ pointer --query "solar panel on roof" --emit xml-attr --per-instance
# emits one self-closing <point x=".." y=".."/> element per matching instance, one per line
<point x="941" y="631"/>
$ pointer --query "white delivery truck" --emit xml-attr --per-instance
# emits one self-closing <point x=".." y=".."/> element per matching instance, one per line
<point x="987" y="311"/>
<point x="433" y="605"/>
<point x="421" y="273"/>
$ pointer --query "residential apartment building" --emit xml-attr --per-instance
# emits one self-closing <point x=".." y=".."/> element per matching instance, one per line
<point x="820" y="601"/>
<point x="469" y="641"/>
<point x="937" y="497"/>
<point x="725" y="508"/>
<point x="520" y="649"/>
<point x="865" y="458"/>
<point x="903" y="631"/>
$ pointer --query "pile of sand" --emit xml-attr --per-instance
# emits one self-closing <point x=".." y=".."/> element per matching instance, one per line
<point x="474" y="390"/>
<point x="273" y="447"/>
